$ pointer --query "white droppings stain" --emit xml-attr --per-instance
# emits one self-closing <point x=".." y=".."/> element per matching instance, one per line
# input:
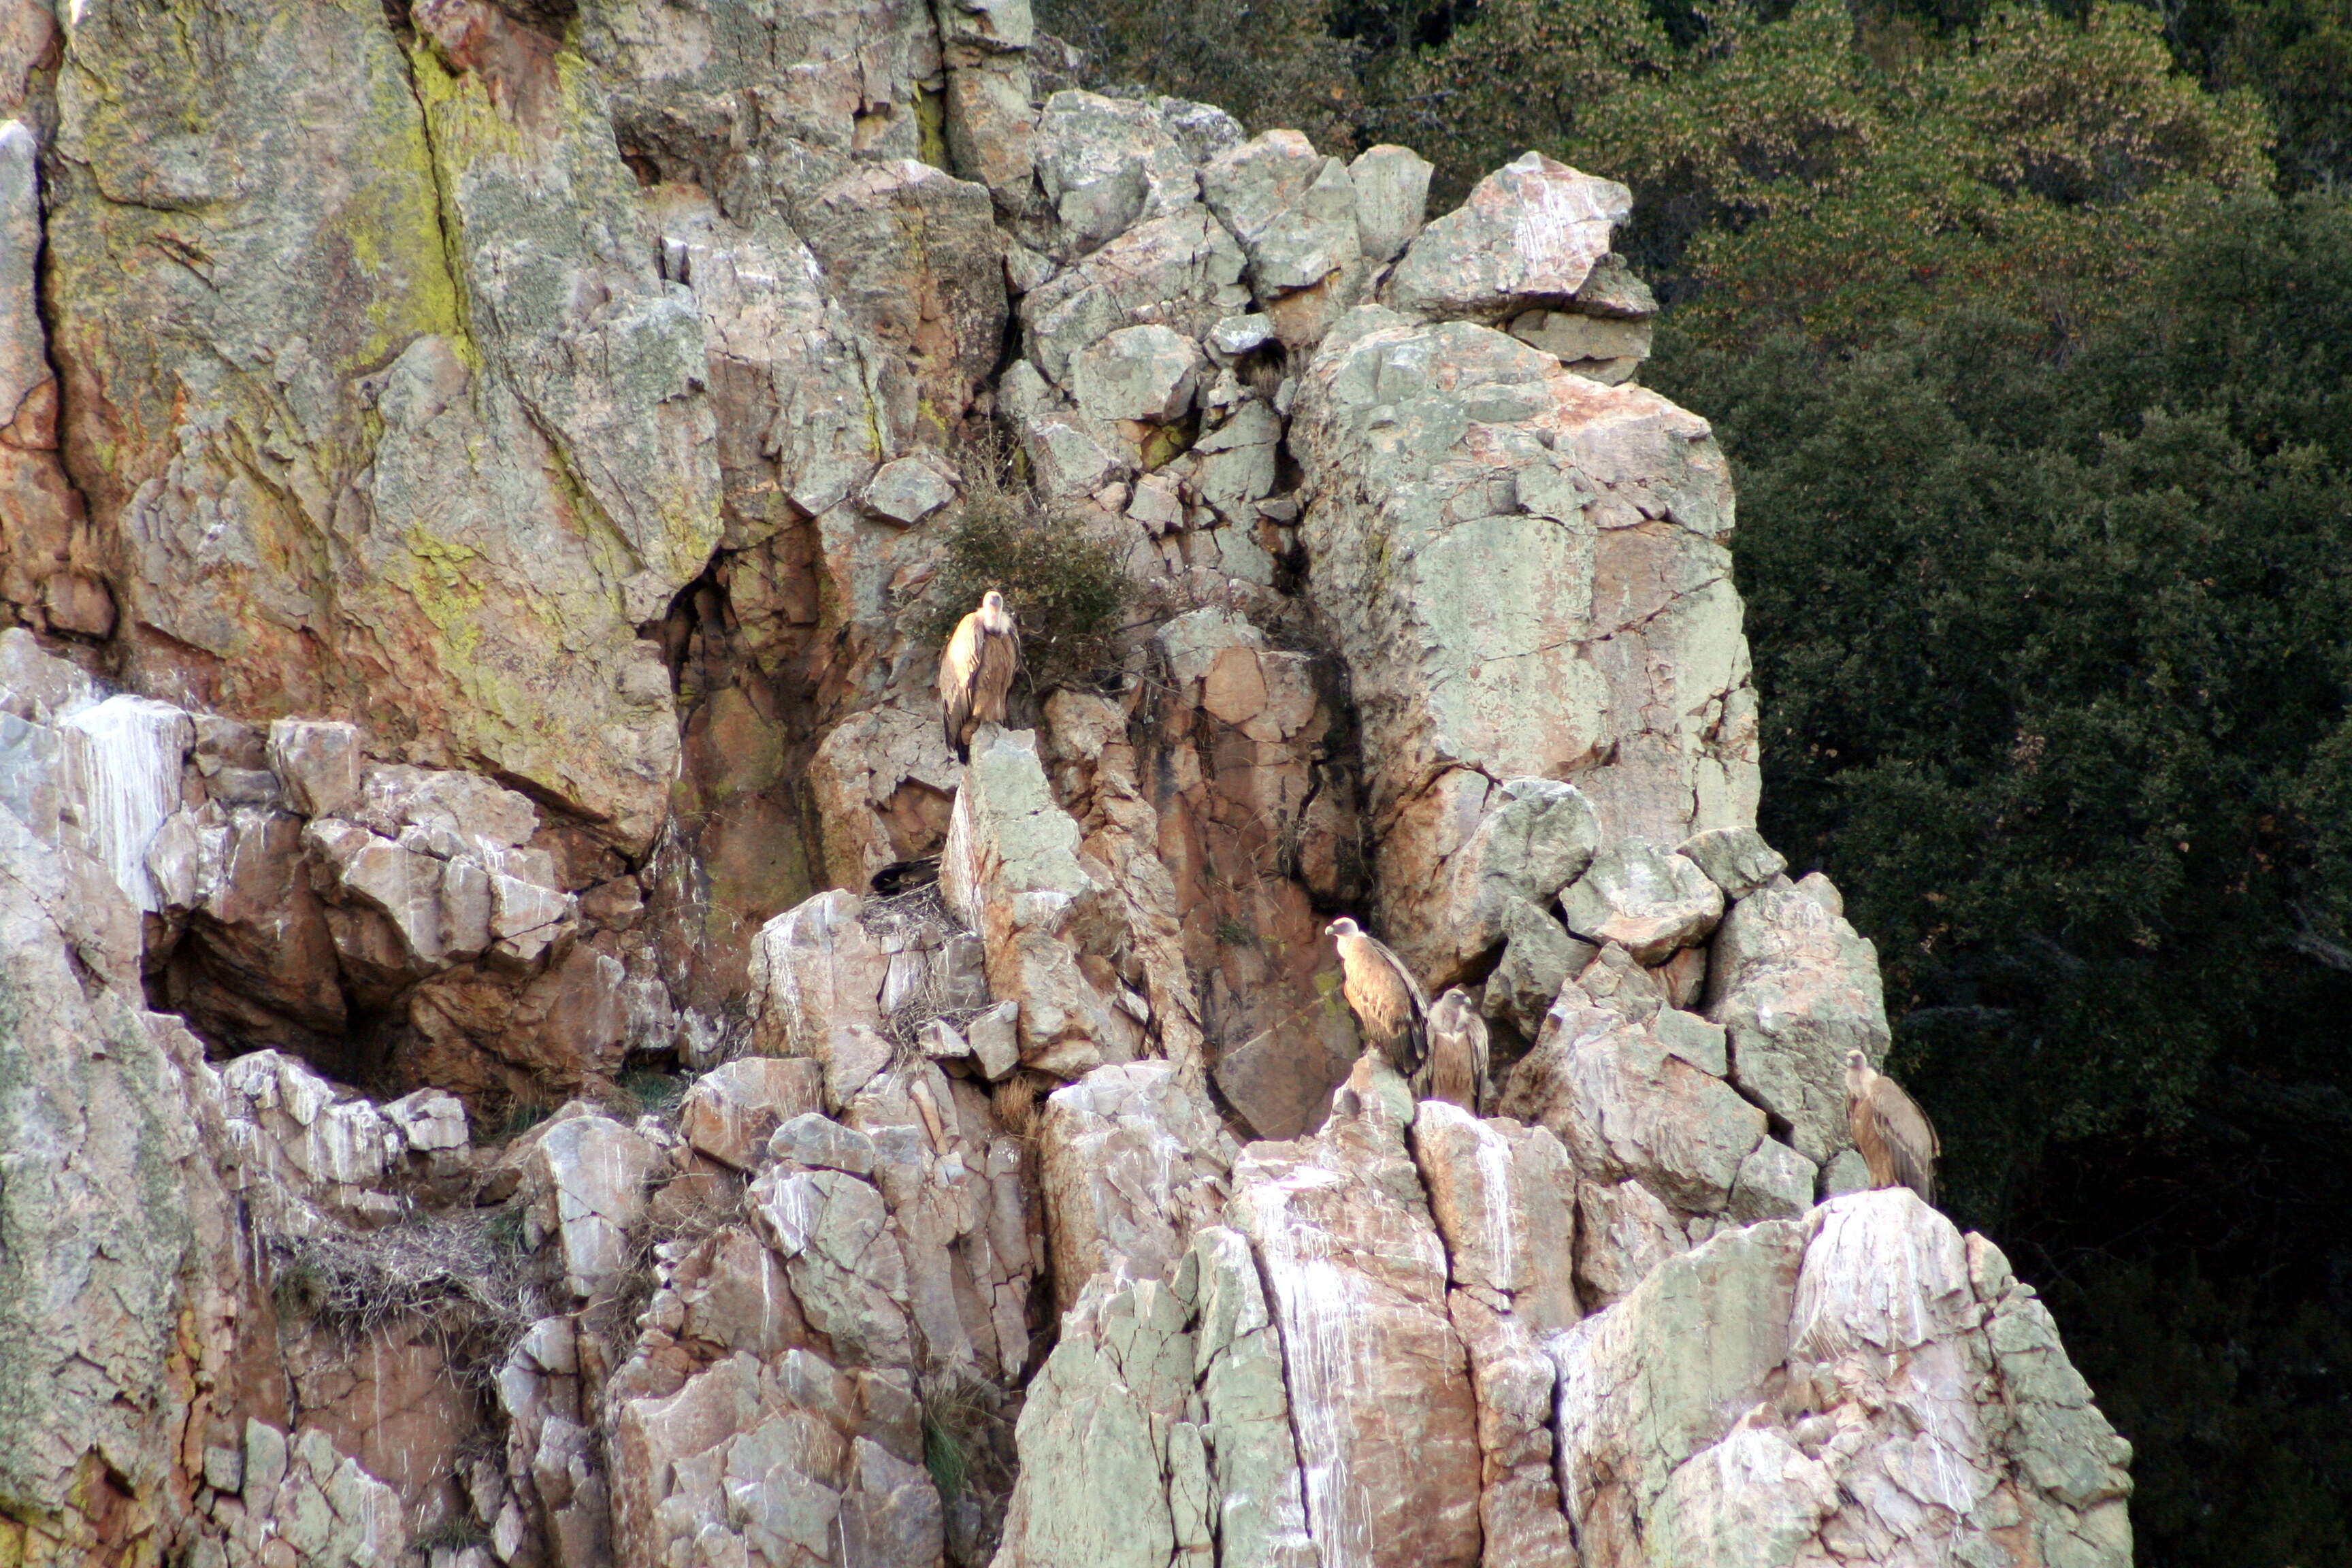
<point x="122" y="779"/>
<point x="1496" y="1233"/>
<point x="1322" y="1310"/>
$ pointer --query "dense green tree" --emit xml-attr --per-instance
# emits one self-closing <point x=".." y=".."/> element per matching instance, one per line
<point x="1803" y="171"/>
<point x="2297" y="55"/>
<point x="2055" y="654"/>
<point x="1269" y="62"/>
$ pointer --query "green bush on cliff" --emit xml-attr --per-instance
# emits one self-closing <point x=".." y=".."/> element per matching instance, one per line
<point x="1066" y="588"/>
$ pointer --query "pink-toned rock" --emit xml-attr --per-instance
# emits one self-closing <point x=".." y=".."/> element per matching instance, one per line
<point x="1012" y="871"/>
<point x="1356" y="1278"/>
<point x="1132" y="1162"/>
<point x="732" y="1111"/>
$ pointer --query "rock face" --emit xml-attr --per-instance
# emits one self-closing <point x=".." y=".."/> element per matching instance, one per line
<point x="488" y="1075"/>
<point x="1862" y="1384"/>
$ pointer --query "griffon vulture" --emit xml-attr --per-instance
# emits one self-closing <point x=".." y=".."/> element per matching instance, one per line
<point x="1896" y="1140"/>
<point x="1456" y="1070"/>
<point x="1388" y="1002"/>
<point x="976" y="670"/>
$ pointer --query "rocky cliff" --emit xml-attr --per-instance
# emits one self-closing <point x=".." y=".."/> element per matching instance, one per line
<point x="488" y="1072"/>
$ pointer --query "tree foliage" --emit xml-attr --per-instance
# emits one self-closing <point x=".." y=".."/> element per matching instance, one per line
<point x="1806" y="172"/>
<point x="1270" y="63"/>
<point x="2055" y="654"/>
<point x="1066" y="590"/>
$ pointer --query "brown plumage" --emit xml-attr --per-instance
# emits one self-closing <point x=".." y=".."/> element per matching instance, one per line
<point x="1896" y="1140"/>
<point x="1456" y="1070"/>
<point x="976" y="671"/>
<point x="1389" y="1003"/>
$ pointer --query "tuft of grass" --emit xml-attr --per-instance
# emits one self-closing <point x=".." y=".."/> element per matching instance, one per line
<point x="962" y="1428"/>
<point x="523" y="1115"/>
<point x="647" y="1091"/>
<point x="1067" y="590"/>
<point x="455" y="1532"/>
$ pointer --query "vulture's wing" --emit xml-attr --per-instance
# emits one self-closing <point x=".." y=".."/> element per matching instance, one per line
<point x="1412" y="1027"/>
<point x="1910" y="1137"/>
<point x="1000" y="661"/>
<point x="956" y="672"/>
<point x="1457" y="1069"/>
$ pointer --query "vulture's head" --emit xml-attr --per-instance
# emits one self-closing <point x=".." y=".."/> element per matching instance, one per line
<point x="1857" y="1071"/>
<point x="993" y="600"/>
<point x="1341" y="928"/>
<point x="1451" y="1009"/>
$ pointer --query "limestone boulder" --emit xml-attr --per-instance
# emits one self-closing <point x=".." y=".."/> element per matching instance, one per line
<point x="1838" y="1385"/>
<point x="1539" y="958"/>
<point x="497" y="450"/>
<point x="118" y="779"/>
<point x="1532" y="229"/>
<point x="45" y="540"/>
<point x="1623" y="1233"/>
<point x="319" y="762"/>
<point x="1160" y="1426"/>
<point x="818" y="973"/>
<point x="884" y="782"/>
<point x="1106" y="164"/>
<point x="1644" y="898"/>
<point x="1532" y="839"/>
<point x="1599" y="348"/>
<point x="1391" y="187"/>
<point x="1798" y="989"/>
<point x="1012" y="872"/>
<point x="320" y="1144"/>
<point x="1132" y="1163"/>
<point x="908" y="489"/>
<point x="315" y="1505"/>
<point x="1098" y="1439"/>
<point x="1356" y="1283"/>
<point x="847" y="1263"/>
<point x="913" y="255"/>
<point x="585" y="1179"/>
<point x="1294" y="213"/>
<point x="1144" y="374"/>
<point x="1628" y="1104"/>
<point x="1736" y="860"/>
<point x="122" y="1237"/>
<point x="1181" y="266"/>
<point x="1524" y="572"/>
<point x="1504" y="1198"/>
<point x="442" y="858"/>
<point x="732" y="1111"/>
<point x="792" y="1459"/>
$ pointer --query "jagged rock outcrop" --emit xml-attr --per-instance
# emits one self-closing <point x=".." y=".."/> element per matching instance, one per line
<point x="486" y="1074"/>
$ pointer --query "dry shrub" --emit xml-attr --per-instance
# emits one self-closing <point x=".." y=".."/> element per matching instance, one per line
<point x="663" y="1223"/>
<point x="918" y="917"/>
<point x="465" y="1275"/>
<point x="1020" y="1098"/>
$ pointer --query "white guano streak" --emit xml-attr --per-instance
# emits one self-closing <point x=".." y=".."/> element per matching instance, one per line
<point x="122" y="779"/>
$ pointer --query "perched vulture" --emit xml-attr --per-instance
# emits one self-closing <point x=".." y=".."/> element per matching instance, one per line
<point x="1456" y="1070"/>
<point x="976" y="670"/>
<point x="1388" y="1002"/>
<point x="1896" y="1140"/>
